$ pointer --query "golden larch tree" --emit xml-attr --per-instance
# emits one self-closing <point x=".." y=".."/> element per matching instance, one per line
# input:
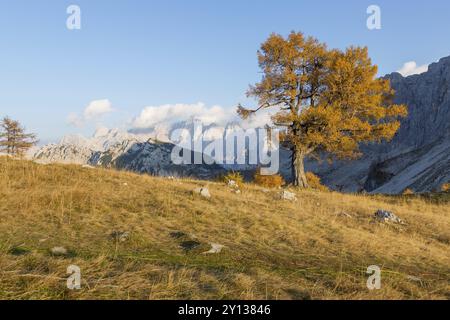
<point x="329" y="101"/>
<point x="13" y="139"/>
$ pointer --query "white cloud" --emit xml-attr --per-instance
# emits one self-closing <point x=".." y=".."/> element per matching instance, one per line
<point x="153" y="116"/>
<point x="161" y="118"/>
<point x="160" y="121"/>
<point x="410" y="68"/>
<point x="95" y="110"/>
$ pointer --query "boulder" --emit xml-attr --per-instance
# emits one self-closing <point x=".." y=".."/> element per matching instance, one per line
<point x="215" y="248"/>
<point x="59" y="251"/>
<point x="288" y="196"/>
<point x="204" y="192"/>
<point x="387" y="216"/>
<point x="120" y="236"/>
<point x="233" y="184"/>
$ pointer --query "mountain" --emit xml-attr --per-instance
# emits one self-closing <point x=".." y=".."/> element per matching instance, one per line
<point x="77" y="149"/>
<point x="124" y="151"/>
<point x="418" y="157"/>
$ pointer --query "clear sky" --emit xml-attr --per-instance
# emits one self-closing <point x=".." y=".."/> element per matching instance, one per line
<point x="138" y="53"/>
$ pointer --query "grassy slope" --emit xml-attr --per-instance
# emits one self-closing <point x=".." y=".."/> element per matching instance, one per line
<point x="274" y="249"/>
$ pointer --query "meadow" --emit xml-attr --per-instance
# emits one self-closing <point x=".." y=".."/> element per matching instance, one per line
<point x="318" y="247"/>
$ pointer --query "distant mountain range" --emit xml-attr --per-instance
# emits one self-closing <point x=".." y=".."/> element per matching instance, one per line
<point x="124" y="151"/>
<point x="418" y="158"/>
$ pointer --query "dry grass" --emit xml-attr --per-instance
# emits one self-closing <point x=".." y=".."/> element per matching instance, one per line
<point x="318" y="247"/>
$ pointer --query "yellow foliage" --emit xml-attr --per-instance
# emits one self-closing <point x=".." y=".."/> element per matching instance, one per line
<point x="272" y="181"/>
<point x="315" y="183"/>
<point x="445" y="187"/>
<point x="328" y="100"/>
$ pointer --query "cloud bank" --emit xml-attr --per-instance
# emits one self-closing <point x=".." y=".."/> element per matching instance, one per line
<point x="164" y="116"/>
<point x="167" y="114"/>
<point x="410" y="68"/>
<point x="159" y="121"/>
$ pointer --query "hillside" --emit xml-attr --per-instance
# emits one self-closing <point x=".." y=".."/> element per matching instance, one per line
<point x="316" y="248"/>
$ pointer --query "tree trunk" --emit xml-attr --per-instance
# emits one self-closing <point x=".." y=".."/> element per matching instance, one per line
<point x="298" y="169"/>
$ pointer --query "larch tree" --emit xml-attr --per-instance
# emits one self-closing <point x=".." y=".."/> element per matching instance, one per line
<point x="13" y="139"/>
<point x="329" y="101"/>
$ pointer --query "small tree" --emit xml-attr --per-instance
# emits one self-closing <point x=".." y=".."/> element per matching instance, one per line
<point x="13" y="139"/>
<point x="330" y="101"/>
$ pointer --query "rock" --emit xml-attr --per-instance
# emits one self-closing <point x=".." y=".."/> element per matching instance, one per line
<point x="288" y="196"/>
<point x="215" y="248"/>
<point x="189" y="245"/>
<point x="233" y="184"/>
<point x="204" y="192"/>
<point x="120" y="236"/>
<point x="387" y="216"/>
<point x="59" y="251"/>
<point x="125" y="184"/>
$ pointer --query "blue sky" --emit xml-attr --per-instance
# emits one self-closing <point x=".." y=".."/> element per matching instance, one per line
<point x="150" y="53"/>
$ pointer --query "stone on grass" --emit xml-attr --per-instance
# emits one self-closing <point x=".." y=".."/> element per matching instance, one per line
<point x="120" y="236"/>
<point x="387" y="216"/>
<point x="59" y="251"/>
<point x="204" y="192"/>
<point x="288" y="196"/>
<point x="232" y="184"/>
<point x="215" y="248"/>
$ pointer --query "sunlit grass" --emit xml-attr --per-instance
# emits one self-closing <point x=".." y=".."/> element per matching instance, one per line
<point x="316" y="248"/>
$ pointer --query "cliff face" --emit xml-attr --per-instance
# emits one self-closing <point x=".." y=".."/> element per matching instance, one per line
<point x="428" y="98"/>
<point x="418" y="157"/>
